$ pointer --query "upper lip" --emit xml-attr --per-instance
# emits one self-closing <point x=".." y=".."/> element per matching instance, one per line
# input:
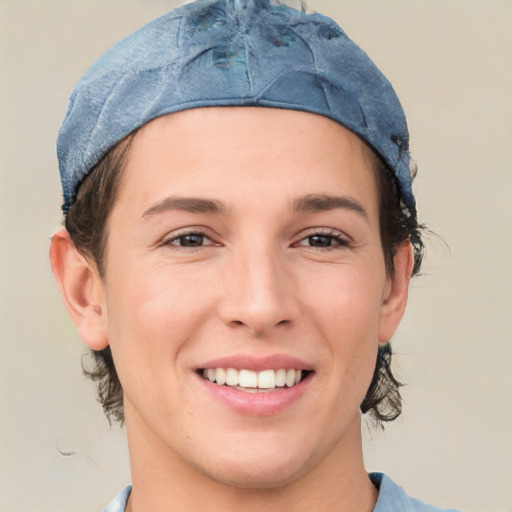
<point x="257" y="364"/>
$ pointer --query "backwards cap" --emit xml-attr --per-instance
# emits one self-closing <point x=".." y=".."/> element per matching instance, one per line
<point x="231" y="53"/>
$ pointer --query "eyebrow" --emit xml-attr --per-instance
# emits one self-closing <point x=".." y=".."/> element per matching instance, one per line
<point x="187" y="204"/>
<point x="307" y="203"/>
<point x="324" y="202"/>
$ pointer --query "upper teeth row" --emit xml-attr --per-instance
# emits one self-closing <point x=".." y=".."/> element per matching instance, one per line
<point x="249" y="379"/>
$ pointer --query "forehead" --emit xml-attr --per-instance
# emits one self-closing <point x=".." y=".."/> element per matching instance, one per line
<point x="227" y="152"/>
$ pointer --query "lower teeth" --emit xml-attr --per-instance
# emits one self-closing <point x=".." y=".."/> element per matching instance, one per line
<point x="254" y="390"/>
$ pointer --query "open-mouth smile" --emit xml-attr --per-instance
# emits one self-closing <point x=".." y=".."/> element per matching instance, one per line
<point x="256" y="387"/>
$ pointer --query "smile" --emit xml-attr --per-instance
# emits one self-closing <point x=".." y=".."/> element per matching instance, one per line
<point x="253" y="381"/>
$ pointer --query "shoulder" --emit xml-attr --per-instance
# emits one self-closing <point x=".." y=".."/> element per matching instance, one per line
<point x="392" y="498"/>
<point x="119" y="502"/>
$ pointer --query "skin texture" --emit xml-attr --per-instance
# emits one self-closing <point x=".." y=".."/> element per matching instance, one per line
<point x="272" y="277"/>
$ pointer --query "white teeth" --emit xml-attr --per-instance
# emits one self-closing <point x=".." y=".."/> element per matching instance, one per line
<point x="290" y="378"/>
<point x="267" y="379"/>
<point x="220" y="376"/>
<point x="249" y="379"/>
<point x="281" y="377"/>
<point x="232" y="377"/>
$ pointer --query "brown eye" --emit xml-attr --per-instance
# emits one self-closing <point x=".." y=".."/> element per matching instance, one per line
<point x="320" y="240"/>
<point x="192" y="240"/>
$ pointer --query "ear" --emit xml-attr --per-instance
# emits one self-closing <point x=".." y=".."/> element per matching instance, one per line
<point x="82" y="290"/>
<point x="395" y="296"/>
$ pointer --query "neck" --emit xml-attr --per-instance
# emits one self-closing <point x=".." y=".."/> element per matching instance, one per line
<point x="164" y="481"/>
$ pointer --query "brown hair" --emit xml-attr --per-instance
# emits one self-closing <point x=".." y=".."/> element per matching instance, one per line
<point x="86" y="220"/>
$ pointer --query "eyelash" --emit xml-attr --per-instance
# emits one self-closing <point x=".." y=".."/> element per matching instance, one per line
<point x="183" y="236"/>
<point x="339" y="240"/>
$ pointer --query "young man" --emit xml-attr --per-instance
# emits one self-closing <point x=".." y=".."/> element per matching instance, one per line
<point x="240" y="236"/>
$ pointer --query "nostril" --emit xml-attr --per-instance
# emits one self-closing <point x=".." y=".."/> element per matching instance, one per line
<point x="241" y="323"/>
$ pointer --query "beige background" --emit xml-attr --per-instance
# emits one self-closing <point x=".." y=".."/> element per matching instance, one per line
<point x="450" y="62"/>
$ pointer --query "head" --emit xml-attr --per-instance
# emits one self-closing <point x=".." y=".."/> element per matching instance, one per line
<point x="275" y="218"/>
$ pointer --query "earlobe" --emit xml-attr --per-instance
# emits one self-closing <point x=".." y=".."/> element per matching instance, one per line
<point x="81" y="288"/>
<point x="395" y="300"/>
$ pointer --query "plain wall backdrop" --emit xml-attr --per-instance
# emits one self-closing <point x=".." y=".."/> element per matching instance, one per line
<point x="450" y="63"/>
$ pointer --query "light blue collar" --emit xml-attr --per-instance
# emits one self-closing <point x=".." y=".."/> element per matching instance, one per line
<point x="392" y="498"/>
<point x="119" y="503"/>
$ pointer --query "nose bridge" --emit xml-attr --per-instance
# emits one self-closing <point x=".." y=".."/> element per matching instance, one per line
<point x="259" y="294"/>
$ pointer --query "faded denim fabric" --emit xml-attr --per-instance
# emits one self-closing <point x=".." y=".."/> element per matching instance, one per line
<point x="238" y="53"/>
<point x="392" y="498"/>
<point x="119" y="503"/>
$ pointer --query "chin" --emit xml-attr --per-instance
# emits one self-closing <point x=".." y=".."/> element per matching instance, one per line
<point x="257" y="465"/>
<point x="256" y="474"/>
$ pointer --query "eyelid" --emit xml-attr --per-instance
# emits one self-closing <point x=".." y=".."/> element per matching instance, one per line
<point x="193" y="230"/>
<point x="342" y="239"/>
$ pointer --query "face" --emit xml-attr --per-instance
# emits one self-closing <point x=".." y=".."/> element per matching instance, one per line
<point x="244" y="246"/>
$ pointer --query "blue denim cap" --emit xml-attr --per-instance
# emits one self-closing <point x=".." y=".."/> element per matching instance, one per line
<point x="231" y="53"/>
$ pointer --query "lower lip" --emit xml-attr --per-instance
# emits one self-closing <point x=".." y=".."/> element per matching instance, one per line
<point x="257" y="404"/>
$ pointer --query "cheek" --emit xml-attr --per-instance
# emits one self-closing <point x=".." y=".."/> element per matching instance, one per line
<point x="151" y="302"/>
<point x="345" y="310"/>
<point x="152" y="314"/>
<point x="346" y="299"/>
<point x="151" y="319"/>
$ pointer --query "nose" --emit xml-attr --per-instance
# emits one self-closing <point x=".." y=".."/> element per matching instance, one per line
<point x="258" y="292"/>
